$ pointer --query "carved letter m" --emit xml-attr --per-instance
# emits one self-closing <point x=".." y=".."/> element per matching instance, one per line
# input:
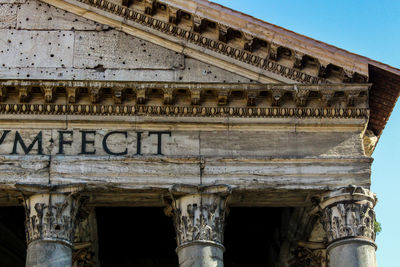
<point x="18" y="139"/>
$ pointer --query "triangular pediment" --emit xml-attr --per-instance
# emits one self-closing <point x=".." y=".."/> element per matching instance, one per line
<point x="225" y="39"/>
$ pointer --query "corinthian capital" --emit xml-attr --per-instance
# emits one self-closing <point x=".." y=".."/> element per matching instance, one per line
<point x="349" y="213"/>
<point x="199" y="214"/>
<point x="50" y="212"/>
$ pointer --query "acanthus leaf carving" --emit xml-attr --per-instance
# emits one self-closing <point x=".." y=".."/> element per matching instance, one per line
<point x="204" y="222"/>
<point x="350" y="215"/>
<point x="200" y="216"/>
<point x="51" y="217"/>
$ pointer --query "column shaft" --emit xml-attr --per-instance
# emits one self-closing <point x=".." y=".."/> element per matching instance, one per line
<point x="353" y="253"/>
<point x="46" y="254"/>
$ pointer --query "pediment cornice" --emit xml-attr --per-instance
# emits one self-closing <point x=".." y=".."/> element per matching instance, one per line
<point x="226" y="39"/>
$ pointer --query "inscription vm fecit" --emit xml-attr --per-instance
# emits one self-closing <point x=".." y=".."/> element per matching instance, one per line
<point x="83" y="142"/>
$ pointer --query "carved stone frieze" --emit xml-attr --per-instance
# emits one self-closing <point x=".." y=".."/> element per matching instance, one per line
<point x="71" y="94"/>
<point x="185" y="99"/>
<point x="198" y="23"/>
<point x="174" y="15"/>
<point x="199" y="214"/>
<point x="348" y="213"/>
<point x="48" y="93"/>
<point x="301" y="97"/>
<point x="117" y="95"/>
<point x="24" y="94"/>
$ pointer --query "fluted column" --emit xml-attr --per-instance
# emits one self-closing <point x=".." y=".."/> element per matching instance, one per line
<point x="50" y="223"/>
<point x="348" y="217"/>
<point x="199" y="218"/>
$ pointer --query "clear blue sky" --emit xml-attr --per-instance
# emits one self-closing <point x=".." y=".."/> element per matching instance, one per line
<point x="369" y="28"/>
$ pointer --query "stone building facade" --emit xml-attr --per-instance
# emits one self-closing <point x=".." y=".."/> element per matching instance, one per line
<point x="133" y="130"/>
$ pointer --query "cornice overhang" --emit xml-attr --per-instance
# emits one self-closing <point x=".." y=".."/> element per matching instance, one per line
<point x="221" y="37"/>
<point x="240" y="100"/>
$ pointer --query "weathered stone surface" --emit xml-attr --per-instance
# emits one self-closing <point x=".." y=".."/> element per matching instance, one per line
<point x="287" y="174"/>
<point x="190" y="143"/>
<point x="97" y="74"/>
<point x="12" y="1"/>
<point x="197" y="71"/>
<point x="36" y="15"/>
<point x="30" y="169"/>
<point x="354" y="253"/>
<point x="281" y="144"/>
<point x="113" y="49"/>
<point x="100" y="53"/>
<point x="8" y="16"/>
<point x="48" y="254"/>
<point x="21" y="48"/>
<point x="200" y="255"/>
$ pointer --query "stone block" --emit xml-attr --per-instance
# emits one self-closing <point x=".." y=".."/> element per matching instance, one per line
<point x="8" y="16"/>
<point x="87" y="74"/>
<point x="197" y="71"/>
<point x="281" y="144"/>
<point x="40" y="16"/>
<point x="131" y="173"/>
<point x="117" y="50"/>
<point x="31" y="49"/>
<point x="12" y="1"/>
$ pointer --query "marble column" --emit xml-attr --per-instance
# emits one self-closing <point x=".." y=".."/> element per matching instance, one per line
<point x="348" y="217"/>
<point x="199" y="217"/>
<point x="50" y="223"/>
